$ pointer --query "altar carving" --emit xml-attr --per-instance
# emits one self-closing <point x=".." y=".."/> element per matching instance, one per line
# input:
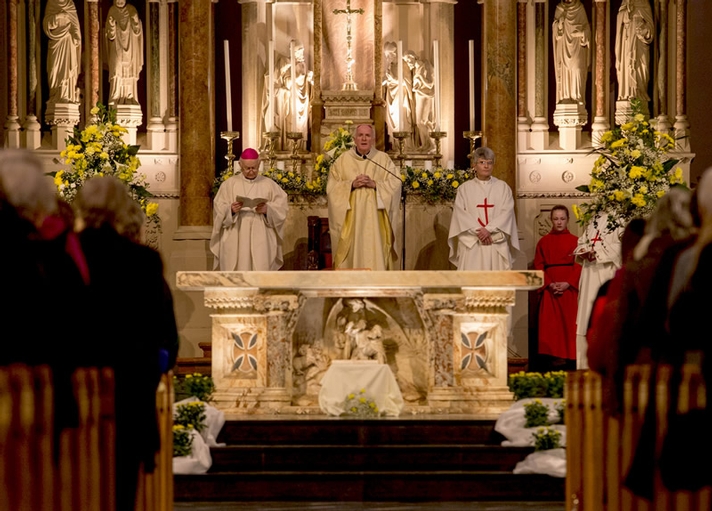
<point x="442" y="333"/>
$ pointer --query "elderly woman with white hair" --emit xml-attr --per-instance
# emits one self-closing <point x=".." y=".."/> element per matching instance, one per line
<point x="132" y="311"/>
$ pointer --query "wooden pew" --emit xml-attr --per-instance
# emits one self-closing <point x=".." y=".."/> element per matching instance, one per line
<point x="82" y="477"/>
<point x="600" y="447"/>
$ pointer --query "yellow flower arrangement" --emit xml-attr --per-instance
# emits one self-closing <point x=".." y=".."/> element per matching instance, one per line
<point x="99" y="150"/>
<point x="358" y="404"/>
<point x="632" y="172"/>
<point x="182" y="440"/>
<point x="434" y="186"/>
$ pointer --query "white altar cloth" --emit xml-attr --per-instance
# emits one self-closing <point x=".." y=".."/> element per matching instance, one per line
<point x="345" y="377"/>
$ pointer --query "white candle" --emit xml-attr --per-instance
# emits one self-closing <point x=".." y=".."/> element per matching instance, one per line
<point x="471" y="60"/>
<point x="436" y="65"/>
<point x="269" y="121"/>
<point x="228" y="92"/>
<point x="293" y="90"/>
<point x="399" y="97"/>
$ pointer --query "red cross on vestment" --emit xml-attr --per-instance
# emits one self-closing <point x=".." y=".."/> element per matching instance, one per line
<point x="596" y="238"/>
<point x="485" y="206"/>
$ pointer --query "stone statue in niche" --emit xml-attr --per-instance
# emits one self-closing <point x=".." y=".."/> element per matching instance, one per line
<point x="123" y="37"/>
<point x="310" y="363"/>
<point x="572" y="51"/>
<point x="292" y="95"/>
<point x="64" y="52"/>
<point x="421" y="83"/>
<point x="394" y="111"/>
<point x="634" y="34"/>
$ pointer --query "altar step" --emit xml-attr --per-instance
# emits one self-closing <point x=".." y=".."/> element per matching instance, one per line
<point x="327" y="459"/>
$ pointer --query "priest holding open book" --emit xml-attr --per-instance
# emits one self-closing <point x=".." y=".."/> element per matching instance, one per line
<point x="249" y="211"/>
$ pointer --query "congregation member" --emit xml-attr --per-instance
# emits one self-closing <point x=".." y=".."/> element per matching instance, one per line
<point x="483" y="230"/>
<point x="599" y="250"/>
<point x="558" y="298"/>
<point x="363" y="194"/>
<point x="249" y="212"/>
<point x="132" y="315"/>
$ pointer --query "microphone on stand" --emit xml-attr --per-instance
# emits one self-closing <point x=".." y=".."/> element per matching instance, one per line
<point x="403" y="193"/>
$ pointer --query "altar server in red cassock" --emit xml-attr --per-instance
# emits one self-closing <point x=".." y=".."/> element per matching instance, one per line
<point x="559" y="296"/>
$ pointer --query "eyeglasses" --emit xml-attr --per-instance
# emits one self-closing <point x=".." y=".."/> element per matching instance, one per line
<point x="485" y="162"/>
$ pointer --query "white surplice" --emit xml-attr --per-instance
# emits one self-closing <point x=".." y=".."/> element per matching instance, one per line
<point x="248" y="240"/>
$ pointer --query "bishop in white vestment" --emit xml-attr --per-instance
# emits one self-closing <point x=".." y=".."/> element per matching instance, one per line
<point x="248" y="237"/>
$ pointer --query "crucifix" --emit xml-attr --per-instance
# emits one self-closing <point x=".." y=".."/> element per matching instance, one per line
<point x="349" y="84"/>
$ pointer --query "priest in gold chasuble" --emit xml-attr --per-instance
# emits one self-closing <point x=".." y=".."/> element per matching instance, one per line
<point x="363" y="192"/>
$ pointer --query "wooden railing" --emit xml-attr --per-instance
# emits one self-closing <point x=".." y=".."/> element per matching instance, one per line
<point x="600" y="447"/>
<point x="73" y="470"/>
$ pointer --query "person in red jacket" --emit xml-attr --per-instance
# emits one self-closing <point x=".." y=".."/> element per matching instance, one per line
<point x="559" y="296"/>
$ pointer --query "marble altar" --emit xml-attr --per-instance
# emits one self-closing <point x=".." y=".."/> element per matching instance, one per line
<point x="444" y="334"/>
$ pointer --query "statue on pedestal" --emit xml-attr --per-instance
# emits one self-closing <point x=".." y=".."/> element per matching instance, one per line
<point x="64" y="52"/>
<point x="634" y="34"/>
<point x="292" y="95"/>
<point x="123" y="37"/>
<point x="572" y="51"/>
<point x="422" y="86"/>
<point x="394" y="111"/>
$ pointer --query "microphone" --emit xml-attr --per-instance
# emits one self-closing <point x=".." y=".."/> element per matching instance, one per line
<point x="365" y="157"/>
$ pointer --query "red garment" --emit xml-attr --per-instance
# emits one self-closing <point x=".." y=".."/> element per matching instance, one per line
<point x="557" y="312"/>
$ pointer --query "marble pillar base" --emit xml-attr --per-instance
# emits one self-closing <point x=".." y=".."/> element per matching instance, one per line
<point x="570" y="117"/>
<point x="156" y="134"/>
<point x="539" y="136"/>
<point x="32" y="133"/>
<point x="62" y="117"/>
<point x="12" y="131"/>
<point x="130" y="117"/>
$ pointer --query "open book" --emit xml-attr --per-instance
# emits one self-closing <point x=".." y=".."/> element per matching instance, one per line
<point x="249" y="203"/>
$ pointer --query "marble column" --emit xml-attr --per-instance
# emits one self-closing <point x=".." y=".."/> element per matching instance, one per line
<point x="12" y="125"/>
<point x="540" y="124"/>
<point x="600" y="70"/>
<point x="94" y="49"/>
<point x="254" y="65"/>
<point x="155" y="129"/>
<point x="379" y="104"/>
<point x="682" y="126"/>
<point x="171" y="58"/>
<point x="500" y="106"/>
<point x="197" y="163"/>
<point x="317" y="103"/>
<point x="523" y="128"/>
<point x="662" y="75"/>
<point x="31" y="133"/>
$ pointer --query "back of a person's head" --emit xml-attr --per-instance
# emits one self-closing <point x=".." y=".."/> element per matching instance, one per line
<point x="25" y="185"/>
<point x="671" y="215"/>
<point x="704" y="206"/>
<point x="104" y="202"/>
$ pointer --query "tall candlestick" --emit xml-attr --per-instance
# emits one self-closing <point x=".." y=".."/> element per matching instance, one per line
<point x="471" y="60"/>
<point x="269" y="121"/>
<point x="228" y="92"/>
<point x="436" y="65"/>
<point x="293" y="89"/>
<point x="399" y="97"/>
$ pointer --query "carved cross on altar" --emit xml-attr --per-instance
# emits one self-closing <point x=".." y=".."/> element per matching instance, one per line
<point x="485" y="206"/>
<point x="349" y="84"/>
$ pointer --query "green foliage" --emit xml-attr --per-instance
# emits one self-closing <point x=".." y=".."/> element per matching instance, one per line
<point x="358" y="404"/>
<point x="182" y="440"/>
<point x="555" y="382"/>
<point x="536" y="413"/>
<point x="197" y="385"/>
<point x="191" y="415"/>
<point x="533" y="384"/>
<point x="546" y="438"/>
<point x="561" y="410"/>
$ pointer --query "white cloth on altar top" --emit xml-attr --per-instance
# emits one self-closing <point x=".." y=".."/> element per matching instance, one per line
<point x="607" y="247"/>
<point x="488" y="204"/>
<point x="348" y="377"/>
<point x="248" y="240"/>
<point x="360" y="235"/>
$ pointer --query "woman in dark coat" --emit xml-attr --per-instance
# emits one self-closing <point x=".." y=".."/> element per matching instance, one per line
<point x="132" y="314"/>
